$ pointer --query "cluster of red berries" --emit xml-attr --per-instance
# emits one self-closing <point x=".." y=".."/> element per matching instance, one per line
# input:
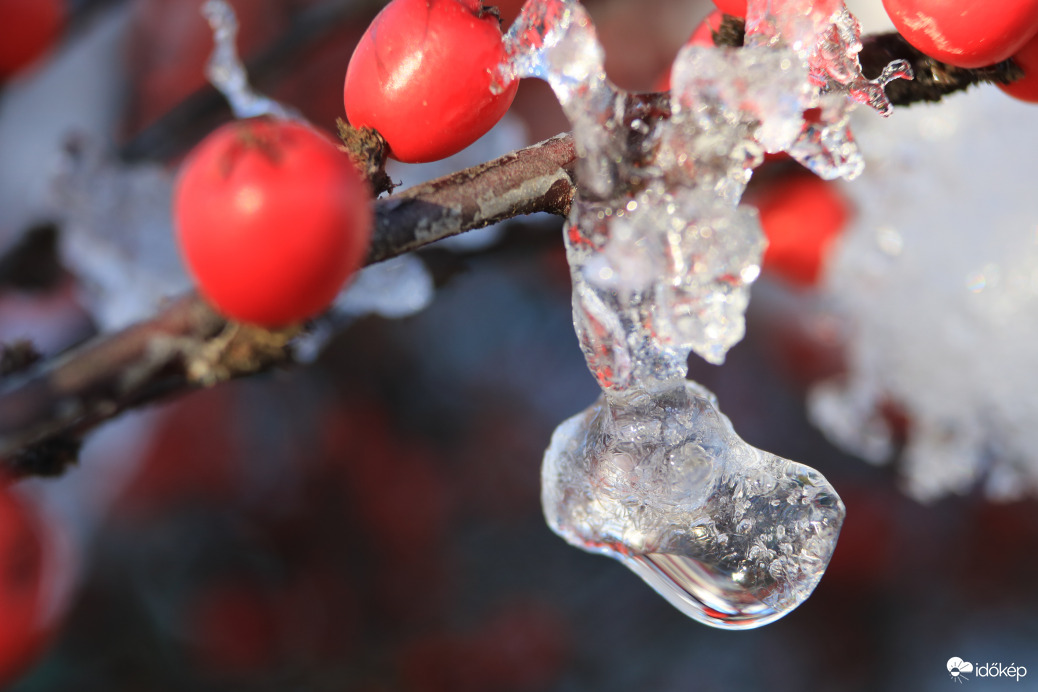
<point x="273" y="219"/>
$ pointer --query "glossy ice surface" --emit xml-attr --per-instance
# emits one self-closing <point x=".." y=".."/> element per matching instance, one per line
<point x="731" y="535"/>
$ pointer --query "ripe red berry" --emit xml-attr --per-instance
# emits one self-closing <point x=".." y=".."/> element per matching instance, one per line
<point x="30" y="27"/>
<point x="736" y="8"/>
<point x="24" y="625"/>
<point x="1025" y="88"/>
<point x="272" y="219"/>
<point x="801" y="214"/>
<point x="966" y="33"/>
<point x="421" y="76"/>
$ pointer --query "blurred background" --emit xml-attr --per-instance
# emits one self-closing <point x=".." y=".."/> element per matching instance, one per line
<point x="371" y="521"/>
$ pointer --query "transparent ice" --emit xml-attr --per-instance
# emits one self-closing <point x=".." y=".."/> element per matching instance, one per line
<point x="662" y="258"/>
<point x="397" y="288"/>
<point x="227" y="73"/>
<point x="733" y="536"/>
<point x="938" y="290"/>
<point x="116" y="234"/>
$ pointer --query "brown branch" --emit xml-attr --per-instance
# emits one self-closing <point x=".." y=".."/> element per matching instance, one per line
<point x="537" y="178"/>
<point x="45" y="410"/>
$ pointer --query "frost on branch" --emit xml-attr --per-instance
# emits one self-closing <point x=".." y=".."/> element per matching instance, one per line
<point x="662" y="258"/>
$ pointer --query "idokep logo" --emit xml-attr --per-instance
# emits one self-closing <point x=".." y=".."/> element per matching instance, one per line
<point x="958" y="669"/>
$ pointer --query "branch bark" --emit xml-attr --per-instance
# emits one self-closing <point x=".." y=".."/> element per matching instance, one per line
<point x="45" y="410"/>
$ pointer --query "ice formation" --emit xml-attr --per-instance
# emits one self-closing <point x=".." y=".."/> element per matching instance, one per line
<point x="938" y="287"/>
<point x="661" y="259"/>
<point x="731" y="535"/>
<point x="396" y="288"/>
<point x="116" y="234"/>
<point x="226" y="71"/>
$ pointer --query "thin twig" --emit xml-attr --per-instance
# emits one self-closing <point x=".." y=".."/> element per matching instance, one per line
<point x="187" y="345"/>
<point x="45" y="410"/>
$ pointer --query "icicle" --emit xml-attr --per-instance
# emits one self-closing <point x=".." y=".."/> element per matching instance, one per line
<point x="226" y="71"/>
<point x="662" y="258"/>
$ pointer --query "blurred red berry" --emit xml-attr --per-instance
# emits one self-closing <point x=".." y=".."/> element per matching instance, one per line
<point x="170" y="42"/>
<point x="234" y="628"/>
<point x="27" y="29"/>
<point x="801" y="214"/>
<point x="736" y="8"/>
<point x="1025" y="88"/>
<point x="24" y="622"/>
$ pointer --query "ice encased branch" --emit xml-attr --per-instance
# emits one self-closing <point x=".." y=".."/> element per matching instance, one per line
<point x="825" y="39"/>
<point x="662" y="258"/>
<point x="642" y="222"/>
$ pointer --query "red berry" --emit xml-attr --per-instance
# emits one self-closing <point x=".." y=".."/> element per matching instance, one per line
<point x="24" y="625"/>
<point x="966" y="33"/>
<point x="1025" y="88"/>
<point x="421" y="76"/>
<point x="736" y="8"/>
<point x="272" y="219"/>
<point x="30" y="27"/>
<point x="801" y="214"/>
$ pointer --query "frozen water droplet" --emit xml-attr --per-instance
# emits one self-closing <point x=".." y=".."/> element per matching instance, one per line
<point x="732" y="536"/>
